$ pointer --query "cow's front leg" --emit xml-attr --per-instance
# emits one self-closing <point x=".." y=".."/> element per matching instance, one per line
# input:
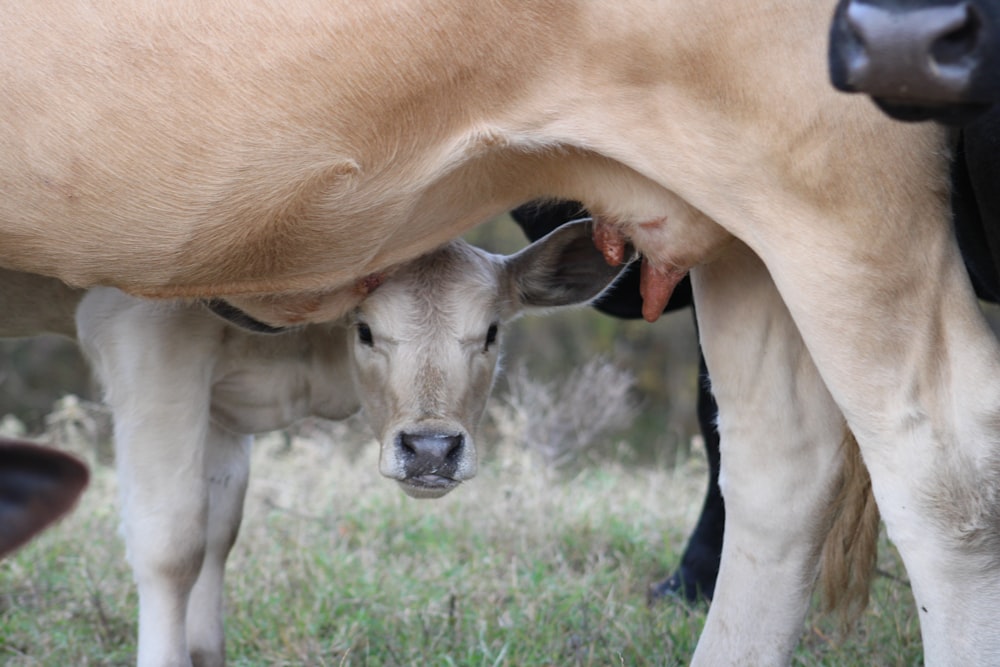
<point x="781" y="437"/>
<point x="227" y="470"/>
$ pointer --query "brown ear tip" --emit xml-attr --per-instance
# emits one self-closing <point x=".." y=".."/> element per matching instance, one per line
<point x="37" y="486"/>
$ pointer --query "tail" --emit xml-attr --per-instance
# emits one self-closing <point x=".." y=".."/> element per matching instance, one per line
<point x="849" y="553"/>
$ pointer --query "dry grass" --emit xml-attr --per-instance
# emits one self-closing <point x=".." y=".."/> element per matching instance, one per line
<point x="335" y="566"/>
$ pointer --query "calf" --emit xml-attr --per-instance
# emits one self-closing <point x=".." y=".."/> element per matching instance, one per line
<point x="187" y="390"/>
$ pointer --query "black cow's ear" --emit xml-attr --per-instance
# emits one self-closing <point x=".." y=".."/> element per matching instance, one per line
<point x="538" y="218"/>
<point x="37" y="486"/>
<point x="563" y="268"/>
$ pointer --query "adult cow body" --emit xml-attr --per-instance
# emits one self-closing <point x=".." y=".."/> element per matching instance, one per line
<point x="274" y="153"/>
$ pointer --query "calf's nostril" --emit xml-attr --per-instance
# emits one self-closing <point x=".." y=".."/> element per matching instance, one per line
<point x="431" y="453"/>
<point x="406" y="443"/>
<point x="455" y="448"/>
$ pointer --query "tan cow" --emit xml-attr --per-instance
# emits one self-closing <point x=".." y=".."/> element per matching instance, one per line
<point x="277" y="152"/>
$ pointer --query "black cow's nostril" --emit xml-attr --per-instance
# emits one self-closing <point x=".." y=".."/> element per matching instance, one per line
<point x="907" y="57"/>
<point x="960" y="41"/>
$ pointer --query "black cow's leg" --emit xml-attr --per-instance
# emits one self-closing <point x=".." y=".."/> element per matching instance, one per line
<point x="695" y="578"/>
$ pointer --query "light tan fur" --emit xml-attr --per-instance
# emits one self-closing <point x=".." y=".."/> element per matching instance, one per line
<point x="261" y="148"/>
<point x="188" y="389"/>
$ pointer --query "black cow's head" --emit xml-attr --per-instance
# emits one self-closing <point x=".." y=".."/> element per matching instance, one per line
<point x="919" y="59"/>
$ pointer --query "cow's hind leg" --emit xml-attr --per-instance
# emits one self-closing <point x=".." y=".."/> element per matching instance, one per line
<point x="866" y="260"/>
<point x="227" y="469"/>
<point x="781" y="438"/>
<point x="916" y="371"/>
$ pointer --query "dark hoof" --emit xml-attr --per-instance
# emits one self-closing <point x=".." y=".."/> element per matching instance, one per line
<point x="678" y="587"/>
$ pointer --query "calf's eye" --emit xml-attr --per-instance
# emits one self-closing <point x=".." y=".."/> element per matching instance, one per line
<point x="365" y="335"/>
<point x="491" y="336"/>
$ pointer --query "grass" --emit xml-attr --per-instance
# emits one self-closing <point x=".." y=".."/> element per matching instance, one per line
<point x="335" y="566"/>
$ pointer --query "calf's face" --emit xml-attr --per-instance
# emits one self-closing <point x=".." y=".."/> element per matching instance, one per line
<point x="426" y="346"/>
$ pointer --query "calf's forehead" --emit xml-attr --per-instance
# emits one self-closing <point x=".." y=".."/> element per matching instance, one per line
<point x="453" y="289"/>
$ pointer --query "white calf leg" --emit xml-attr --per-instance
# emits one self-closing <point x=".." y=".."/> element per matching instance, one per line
<point x="227" y="469"/>
<point x="781" y="460"/>
<point x="155" y="365"/>
<point x="166" y="545"/>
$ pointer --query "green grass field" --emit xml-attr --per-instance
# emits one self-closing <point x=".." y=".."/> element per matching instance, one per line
<point x="335" y="566"/>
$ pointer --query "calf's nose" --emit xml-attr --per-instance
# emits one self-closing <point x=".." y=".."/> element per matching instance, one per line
<point x="430" y="453"/>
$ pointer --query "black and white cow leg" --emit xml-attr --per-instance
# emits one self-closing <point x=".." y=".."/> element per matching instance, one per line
<point x="695" y="578"/>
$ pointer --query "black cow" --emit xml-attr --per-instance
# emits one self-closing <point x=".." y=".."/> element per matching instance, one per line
<point x="919" y="59"/>
<point x="976" y="201"/>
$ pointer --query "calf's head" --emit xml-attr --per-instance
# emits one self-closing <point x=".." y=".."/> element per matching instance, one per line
<point x="426" y="346"/>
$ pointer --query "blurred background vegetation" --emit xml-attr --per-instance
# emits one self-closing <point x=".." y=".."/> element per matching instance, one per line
<point x="657" y="362"/>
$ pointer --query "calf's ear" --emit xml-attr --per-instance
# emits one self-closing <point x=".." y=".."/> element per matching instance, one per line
<point x="563" y="268"/>
<point x="37" y="486"/>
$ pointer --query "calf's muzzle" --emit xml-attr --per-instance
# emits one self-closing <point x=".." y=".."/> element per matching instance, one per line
<point x="432" y="462"/>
